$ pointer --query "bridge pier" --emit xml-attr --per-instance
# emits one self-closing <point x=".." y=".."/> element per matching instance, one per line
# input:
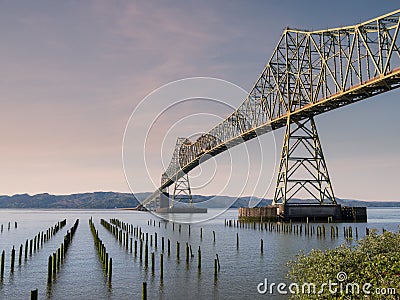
<point x="303" y="213"/>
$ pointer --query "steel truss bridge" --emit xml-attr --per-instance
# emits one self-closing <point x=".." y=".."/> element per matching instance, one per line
<point x="309" y="73"/>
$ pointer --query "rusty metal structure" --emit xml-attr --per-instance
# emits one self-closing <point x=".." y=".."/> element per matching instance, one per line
<point x="309" y="73"/>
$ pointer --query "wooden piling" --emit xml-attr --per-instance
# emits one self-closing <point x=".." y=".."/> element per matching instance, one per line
<point x="199" y="258"/>
<point x="110" y="270"/>
<point x="187" y="253"/>
<point x="177" y="250"/>
<point x="58" y="258"/>
<point x="146" y="255"/>
<point x="152" y="263"/>
<point x="54" y="263"/>
<point x="34" y="294"/>
<point x="161" y="266"/>
<point x="3" y="256"/>
<point x="12" y="259"/>
<point x="49" y="269"/>
<point x="214" y="235"/>
<point x="62" y="252"/>
<point x="144" y="291"/>
<point x="20" y="254"/>
<point x="262" y="246"/>
<point x="141" y="250"/>
<point x="135" y="248"/>
<point x="105" y="261"/>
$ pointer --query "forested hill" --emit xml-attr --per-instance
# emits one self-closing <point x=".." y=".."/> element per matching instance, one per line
<point x="95" y="200"/>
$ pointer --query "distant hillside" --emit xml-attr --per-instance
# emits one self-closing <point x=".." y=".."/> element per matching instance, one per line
<point x="108" y="200"/>
<point x="377" y="203"/>
<point x="86" y="200"/>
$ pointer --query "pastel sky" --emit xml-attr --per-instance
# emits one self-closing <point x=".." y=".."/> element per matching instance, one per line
<point x="73" y="71"/>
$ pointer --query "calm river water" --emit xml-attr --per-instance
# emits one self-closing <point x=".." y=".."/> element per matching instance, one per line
<point x="81" y="275"/>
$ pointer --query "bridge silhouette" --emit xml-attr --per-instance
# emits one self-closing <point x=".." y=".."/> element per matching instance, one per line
<point x="309" y="73"/>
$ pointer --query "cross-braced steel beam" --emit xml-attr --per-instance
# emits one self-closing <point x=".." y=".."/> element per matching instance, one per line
<point x="182" y="192"/>
<point x="302" y="170"/>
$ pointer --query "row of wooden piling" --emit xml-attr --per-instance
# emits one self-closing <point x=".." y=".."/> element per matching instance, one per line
<point x="151" y="222"/>
<point x="143" y="237"/>
<point x="230" y="223"/>
<point x="117" y="228"/>
<point x="121" y="231"/>
<point x="9" y="226"/>
<point x="122" y="235"/>
<point x="31" y="246"/>
<point x="129" y="228"/>
<point x="136" y="231"/>
<point x="305" y="229"/>
<point x="348" y="232"/>
<point x="58" y="257"/>
<point x="189" y="252"/>
<point x="101" y="251"/>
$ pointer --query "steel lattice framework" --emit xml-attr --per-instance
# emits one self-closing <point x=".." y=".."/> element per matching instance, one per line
<point x="302" y="165"/>
<point x="309" y="73"/>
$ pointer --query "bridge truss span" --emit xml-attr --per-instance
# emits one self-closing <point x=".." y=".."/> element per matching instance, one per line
<point x="309" y="73"/>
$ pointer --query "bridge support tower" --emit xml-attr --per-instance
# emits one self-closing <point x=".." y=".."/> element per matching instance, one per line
<point x="182" y="190"/>
<point x="302" y="170"/>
